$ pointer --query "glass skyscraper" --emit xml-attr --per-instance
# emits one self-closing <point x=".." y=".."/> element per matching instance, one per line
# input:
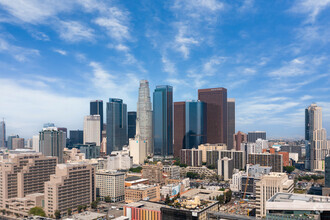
<point x="195" y="127"/>
<point x="131" y="124"/>
<point x="327" y="172"/>
<point x="2" y="133"/>
<point x="117" y="130"/>
<point x="163" y="121"/>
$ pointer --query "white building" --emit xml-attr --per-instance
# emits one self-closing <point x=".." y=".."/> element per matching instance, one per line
<point x="35" y="143"/>
<point x="112" y="184"/>
<point x="294" y="156"/>
<point x="257" y="170"/>
<point x="119" y="160"/>
<point x="225" y="168"/>
<point x="138" y="149"/>
<point x="92" y="129"/>
<point x="170" y="189"/>
<point x="236" y="181"/>
<point x="172" y="171"/>
<point x="261" y="144"/>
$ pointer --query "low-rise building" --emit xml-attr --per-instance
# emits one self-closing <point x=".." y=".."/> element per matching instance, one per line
<point x="191" y="157"/>
<point x="21" y="206"/>
<point x="170" y="190"/>
<point x="201" y="171"/>
<point x="110" y="184"/>
<point x="135" y="180"/>
<point x="173" y="172"/>
<point x="119" y="160"/>
<point x="154" y="173"/>
<point x="73" y="154"/>
<point x="142" y="192"/>
<point x="143" y="210"/>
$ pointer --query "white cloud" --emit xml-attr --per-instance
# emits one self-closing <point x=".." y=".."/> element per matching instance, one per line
<point x="168" y="66"/>
<point x="74" y="31"/>
<point x="62" y="52"/>
<point x="183" y="41"/>
<point x="310" y="7"/>
<point x="40" y="35"/>
<point x="21" y="54"/>
<point x="248" y="5"/>
<point x="306" y="97"/>
<point x="209" y="67"/>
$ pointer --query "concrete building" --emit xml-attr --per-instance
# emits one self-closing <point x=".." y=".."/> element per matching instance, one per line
<point x="201" y="171"/>
<point x="143" y="210"/>
<point x="92" y="129"/>
<point x="205" y="147"/>
<point x="110" y="184"/>
<point x="154" y="173"/>
<point x="91" y="150"/>
<point x="257" y="170"/>
<point x="52" y="142"/>
<point x="179" y="128"/>
<point x="9" y="141"/>
<point x="135" y="180"/>
<point x="269" y="160"/>
<point x="231" y="123"/>
<point x="119" y="160"/>
<point x="138" y="149"/>
<point x="191" y="157"/>
<point x="72" y="155"/>
<point x="35" y="143"/>
<point x="255" y="135"/>
<point x="17" y="143"/>
<point x="261" y="144"/>
<point x="225" y="168"/>
<point x="170" y="190"/>
<point x="239" y="138"/>
<point x="238" y="157"/>
<point x="140" y="192"/>
<point x="72" y="185"/>
<point x="3" y="133"/>
<point x="268" y="186"/>
<point x="173" y="172"/>
<point x="20" y="207"/>
<point x="96" y="108"/>
<point x="23" y="173"/>
<point x="76" y="137"/>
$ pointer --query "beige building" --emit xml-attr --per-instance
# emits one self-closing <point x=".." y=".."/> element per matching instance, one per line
<point x="139" y="192"/>
<point x="112" y="184"/>
<point x="24" y="172"/>
<point x="206" y="147"/>
<point x="22" y="206"/>
<point x="92" y="129"/>
<point x="268" y="186"/>
<point x="202" y="171"/>
<point x="72" y="155"/>
<point x="154" y="173"/>
<point x="72" y="185"/>
<point x="17" y="143"/>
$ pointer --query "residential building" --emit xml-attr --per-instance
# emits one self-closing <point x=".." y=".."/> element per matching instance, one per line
<point x="17" y="143"/>
<point x="163" y="121"/>
<point x="143" y="210"/>
<point x="10" y="141"/>
<point x="205" y="147"/>
<point x="225" y="168"/>
<point x="261" y="144"/>
<point x="52" y="142"/>
<point x="239" y="138"/>
<point x="255" y="135"/>
<point x="76" y="137"/>
<point x="110" y="184"/>
<point x="216" y="114"/>
<point x="231" y="123"/>
<point x="172" y="171"/>
<point x="91" y="150"/>
<point x="92" y="132"/>
<point x="131" y="121"/>
<point x="154" y="173"/>
<point x="268" y="186"/>
<point x="2" y="133"/>
<point x="191" y="157"/>
<point x="73" y="184"/>
<point x="117" y="135"/>
<point x="140" y="192"/>
<point x="266" y="159"/>
<point x="96" y="108"/>
<point x="214" y="155"/>
<point x="201" y="171"/>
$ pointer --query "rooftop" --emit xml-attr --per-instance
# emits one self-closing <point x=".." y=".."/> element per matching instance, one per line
<point x="140" y="187"/>
<point x="132" y="178"/>
<point x="291" y="197"/>
<point x="87" y="216"/>
<point x="146" y="205"/>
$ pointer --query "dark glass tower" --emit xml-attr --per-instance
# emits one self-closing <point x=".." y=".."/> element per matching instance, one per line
<point x="2" y="133"/>
<point x="76" y="137"/>
<point x="131" y="124"/>
<point x="231" y="123"/>
<point x="179" y="127"/>
<point x="96" y="108"/>
<point x="163" y="121"/>
<point x="116" y="125"/>
<point x="327" y="172"/>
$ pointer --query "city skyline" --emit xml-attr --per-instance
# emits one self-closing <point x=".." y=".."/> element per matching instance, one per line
<point x="54" y="62"/>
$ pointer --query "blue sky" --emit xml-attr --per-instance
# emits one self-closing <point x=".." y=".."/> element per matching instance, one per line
<point x="56" y="56"/>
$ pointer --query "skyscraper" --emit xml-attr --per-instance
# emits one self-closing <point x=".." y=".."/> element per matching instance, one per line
<point x="10" y="141"/>
<point x="179" y="127"/>
<point x="131" y="124"/>
<point x="239" y="138"/>
<point x="316" y="142"/>
<point x="254" y="135"/>
<point x="163" y="120"/>
<point x="231" y="123"/>
<point x="92" y="130"/>
<point x="52" y="142"/>
<point x="96" y="108"/>
<point x="116" y="125"/>
<point x="144" y="116"/>
<point x="216" y="105"/>
<point x="327" y="172"/>
<point x="2" y="133"/>
<point x="76" y="137"/>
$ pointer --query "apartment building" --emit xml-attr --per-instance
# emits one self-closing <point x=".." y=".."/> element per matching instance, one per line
<point x="110" y="183"/>
<point x="205" y="147"/>
<point x="142" y="192"/>
<point x="266" y="159"/>
<point x="154" y="173"/>
<point x="191" y="157"/>
<point x="172" y="171"/>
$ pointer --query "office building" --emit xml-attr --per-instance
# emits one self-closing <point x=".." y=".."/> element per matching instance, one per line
<point x="257" y="170"/>
<point x="239" y="138"/>
<point x="119" y="160"/>
<point x="140" y="192"/>
<point x="261" y="144"/>
<point x="231" y="122"/>
<point x="212" y="157"/>
<point x="269" y="160"/>
<point x="35" y="143"/>
<point x="76" y="137"/>
<point x="144" y="116"/>
<point x="154" y="173"/>
<point x="179" y="127"/>
<point x="91" y="150"/>
<point x="135" y="180"/>
<point x="163" y="121"/>
<point x="142" y="210"/>
<point x="138" y="149"/>
<point x="10" y="141"/>
<point x="250" y="148"/>
<point x="2" y="133"/>
<point x="327" y="172"/>
<point x="268" y="186"/>
<point x="96" y="108"/>
<point x="131" y="117"/>
<point x="116" y="125"/>
<point x="216" y="114"/>
<point x="110" y="184"/>
<point x="255" y="135"/>
<point x="205" y="147"/>
<point x="17" y="143"/>
<point x="191" y="157"/>
<point x="52" y="142"/>
<point x="225" y="168"/>
<point x="28" y="143"/>
<point x="24" y="172"/>
<point x="173" y="172"/>
<point x="92" y="129"/>
<point x="73" y="184"/>
<point x="64" y="130"/>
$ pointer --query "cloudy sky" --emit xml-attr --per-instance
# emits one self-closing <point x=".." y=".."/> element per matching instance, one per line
<point x="56" y="56"/>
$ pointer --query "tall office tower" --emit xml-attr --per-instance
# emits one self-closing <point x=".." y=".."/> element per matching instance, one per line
<point x="116" y="125"/>
<point x="48" y="125"/>
<point x="316" y="144"/>
<point x="231" y="122"/>
<point x="92" y="130"/>
<point x="144" y="116"/>
<point x="216" y="114"/>
<point x="254" y="135"/>
<point x="76" y="137"/>
<point x="327" y="172"/>
<point x="23" y="173"/>
<point x="35" y="143"/>
<point x="72" y="185"/>
<point x="239" y="138"/>
<point x="64" y="130"/>
<point x="268" y="186"/>
<point x="179" y="127"/>
<point x="96" y="108"/>
<point x="111" y="183"/>
<point x="2" y="133"/>
<point x="17" y="143"/>
<point x="131" y="116"/>
<point x="10" y="141"/>
<point x="163" y="121"/>
<point x="52" y="142"/>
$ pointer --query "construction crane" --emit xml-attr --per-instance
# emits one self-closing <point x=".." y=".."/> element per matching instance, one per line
<point x="246" y="185"/>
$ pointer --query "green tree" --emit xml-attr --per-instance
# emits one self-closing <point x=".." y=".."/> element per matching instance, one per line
<point x="289" y="169"/>
<point x="79" y="208"/>
<point x="167" y="199"/>
<point x="136" y="170"/>
<point x="84" y="207"/>
<point x="57" y="214"/>
<point x="69" y="212"/>
<point x="182" y="165"/>
<point x="228" y="195"/>
<point x="221" y="199"/>
<point x="192" y="175"/>
<point x="37" y="211"/>
<point x="94" y="205"/>
<point x="107" y="199"/>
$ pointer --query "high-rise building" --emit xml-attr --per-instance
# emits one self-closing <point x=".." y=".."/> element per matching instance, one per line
<point x="92" y="130"/>
<point x="138" y="149"/>
<point x="254" y="135"/>
<point x="316" y="142"/>
<point x="76" y="137"/>
<point x="17" y="143"/>
<point x="225" y="168"/>
<point x="179" y="127"/>
<point x="212" y="157"/>
<point x="73" y="184"/>
<point x="327" y="172"/>
<point x="110" y="184"/>
<point x="10" y="141"/>
<point x="35" y="143"/>
<point x="116" y="125"/>
<point x="91" y="150"/>
<point x="239" y="138"/>
<point x="191" y="157"/>
<point x="64" y="130"/>
<point x="163" y="121"/>
<point x="231" y="122"/>
<point x="144" y="116"/>
<point x="2" y="133"/>
<point x="216" y="114"/>
<point x="52" y="142"/>
<point x="205" y="147"/>
<point x="131" y="116"/>
<point x="269" y="160"/>
<point x="96" y="108"/>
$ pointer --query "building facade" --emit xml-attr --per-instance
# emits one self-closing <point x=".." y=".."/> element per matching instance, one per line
<point x="239" y="138"/>
<point x="110" y="184"/>
<point x="17" y="143"/>
<point x="179" y="127"/>
<point x="254" y="135"/>
<point x="52" y="142"/>
<point x="140" y="192"/>
<point x="191" y="157"/>
<point x="269" y="160"/>
<point x="205" y="147"/>
<point x="76" y="137"/>
<point x="225" y="168"/>
<point x="231" y="123"/>
<point x="154" y="173"/>
<point x="96" y="108"/>
<point x="92" y="131"/>
<point x="131" y="121"/>
<point x="2" y="133"/>
<point x="91" y="150"/>
<point x="10" y="141"/>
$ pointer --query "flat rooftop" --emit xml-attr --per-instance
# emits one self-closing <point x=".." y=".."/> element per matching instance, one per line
<point x="146" y="205"/>
<point x="203" y="194"/>
<point x="88" y="216"/>
<point x="292" y="197"/>
<point x="140" y="187"/>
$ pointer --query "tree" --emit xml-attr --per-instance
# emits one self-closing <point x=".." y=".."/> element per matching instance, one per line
<point x="167" y="200"/>
<point x="79" y="208"/>
<point x="192" y="175"/>
<point x="107" y="199"/>
<point x="94" y="205"/>
<point x="289" y="169"/>
<point x="69" y="212"/>
<point x="37" y="211"/>
<point x="221" y="199"/>
<point x="57" y="214"/>
<point x="228" y="195"/>
<point x="84" y="207"/>
<point x="136" y="170"/>
<point x="3" y="211"/>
